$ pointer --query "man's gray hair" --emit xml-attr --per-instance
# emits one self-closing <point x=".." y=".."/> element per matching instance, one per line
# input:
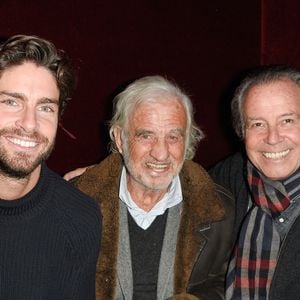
<point x="150" y="89"/>
<point x="260" y="76"/>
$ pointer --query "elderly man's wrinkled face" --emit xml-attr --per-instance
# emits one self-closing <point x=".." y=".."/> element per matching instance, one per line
<point x="272" y="128"/>
<point x="154" y="146"/>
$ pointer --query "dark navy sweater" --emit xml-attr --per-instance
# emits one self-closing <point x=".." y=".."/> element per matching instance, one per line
<point x="49" y="242"/>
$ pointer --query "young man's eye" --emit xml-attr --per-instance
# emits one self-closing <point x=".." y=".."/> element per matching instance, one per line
<point x="10" y="102"/>
<point x="47" y="108"/>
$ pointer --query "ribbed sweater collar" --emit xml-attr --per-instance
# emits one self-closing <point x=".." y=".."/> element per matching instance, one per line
<point x="27" y="205"/>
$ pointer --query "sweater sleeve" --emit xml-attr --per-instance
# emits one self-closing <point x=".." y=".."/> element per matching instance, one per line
<point x="81" y="224"/>
<point x="82" y="283"/>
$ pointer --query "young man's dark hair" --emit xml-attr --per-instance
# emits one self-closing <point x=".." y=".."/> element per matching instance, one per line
<point x="50" y="231"/>
<point x="20" y="48"/>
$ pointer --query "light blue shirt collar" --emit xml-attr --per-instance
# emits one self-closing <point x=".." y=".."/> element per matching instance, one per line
<point x="143" y="218"/>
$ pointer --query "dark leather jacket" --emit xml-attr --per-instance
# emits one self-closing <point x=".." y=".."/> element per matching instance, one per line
<point x="231" y="173"/>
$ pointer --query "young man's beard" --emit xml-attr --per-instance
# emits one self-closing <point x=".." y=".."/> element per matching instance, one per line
<point x="20" y="166"/>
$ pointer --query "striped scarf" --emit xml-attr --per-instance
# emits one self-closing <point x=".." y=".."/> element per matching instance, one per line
<point x="253" y="264"/>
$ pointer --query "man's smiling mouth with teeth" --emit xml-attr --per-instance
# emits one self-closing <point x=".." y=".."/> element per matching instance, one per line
<point x="276" y="155"/>
<point x="23" y="143"/>
<point x="156" y="166"/>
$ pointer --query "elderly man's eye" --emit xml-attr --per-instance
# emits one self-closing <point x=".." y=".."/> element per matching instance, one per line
<point x="173" y="138"/>
<point x="146" y="136"/>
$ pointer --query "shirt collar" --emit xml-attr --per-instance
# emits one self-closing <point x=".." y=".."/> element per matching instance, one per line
<point x="143" y="218"/>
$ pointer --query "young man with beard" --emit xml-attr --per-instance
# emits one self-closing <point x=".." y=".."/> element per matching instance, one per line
<point x="166" y="226"/>
<point x="50" y="232"/>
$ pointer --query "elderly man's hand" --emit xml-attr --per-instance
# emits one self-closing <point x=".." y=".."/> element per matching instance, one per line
<point x="75" y="173"/>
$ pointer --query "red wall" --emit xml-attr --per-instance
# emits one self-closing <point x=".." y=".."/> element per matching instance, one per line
<point x="280" y="38"/>
<point x="203" y="45"/>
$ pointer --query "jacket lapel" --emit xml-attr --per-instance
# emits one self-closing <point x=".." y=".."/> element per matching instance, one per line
<point x="124" y="267"/>
<point x="200" y="208"/>
<point x="166" y="266"/>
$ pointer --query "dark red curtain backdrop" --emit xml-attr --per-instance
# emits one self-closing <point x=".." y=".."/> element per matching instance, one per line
<point x="203" y="45"/>
<point x="280" y="34"/>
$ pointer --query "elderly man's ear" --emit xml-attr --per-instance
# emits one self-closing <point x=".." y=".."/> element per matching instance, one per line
<point x="118" y="138"/>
